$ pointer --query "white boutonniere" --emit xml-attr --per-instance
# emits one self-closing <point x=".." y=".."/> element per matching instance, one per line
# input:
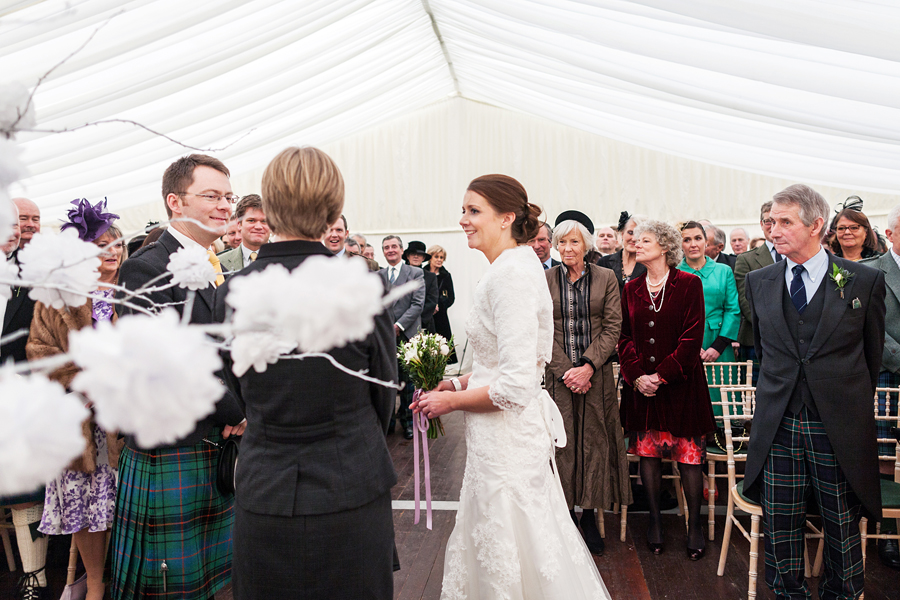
<point x="840" y="277"/>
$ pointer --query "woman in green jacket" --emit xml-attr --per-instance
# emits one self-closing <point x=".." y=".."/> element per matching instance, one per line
<point x="723" y="313"/>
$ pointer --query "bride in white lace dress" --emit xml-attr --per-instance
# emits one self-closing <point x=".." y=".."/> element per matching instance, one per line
<point x="514" y="538"/>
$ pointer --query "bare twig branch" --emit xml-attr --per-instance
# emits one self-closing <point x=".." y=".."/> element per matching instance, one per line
<point x="144" y="127"/>
<point x="360" y="374"/>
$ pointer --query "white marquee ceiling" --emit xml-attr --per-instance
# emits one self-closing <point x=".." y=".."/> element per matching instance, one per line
<point x="802" y="89"/>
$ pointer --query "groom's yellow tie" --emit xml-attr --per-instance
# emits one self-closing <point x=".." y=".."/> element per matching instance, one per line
<point x="214" y="261"/>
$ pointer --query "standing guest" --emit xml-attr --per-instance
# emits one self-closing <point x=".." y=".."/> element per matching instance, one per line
<point x="254" y="232"/>
<point x="854" y="237"/>
<point x="720" y="299"/>
<point x="819" y="343"/>
<point x="172" y="531"/>
<point x="26" y="508"/>
<point x="414" y="256"/>
<point x="513" y="537"/>
<point x="360" y="239"/>
<point x="738" y="239"/>
<point x="665" y="400"/>
<point x="541" y="245"/>
<point x="29" y="220"/>
<point x="715" y="245"/>
<point x="80" y="501"/>
<point x="351" y="247"/>
<point x="336" y="236"/>
<point x="446" y="295"/>
<point x="624" y="263"/>
<point x="369" y="252"/>
<point x="606" y="241"/>
<point x="587" y="319"/>
<point x="313" y="515"/>
<point x="232" y="237"/>
<point x="405" y="313"/>
<point x="889" y="264"/>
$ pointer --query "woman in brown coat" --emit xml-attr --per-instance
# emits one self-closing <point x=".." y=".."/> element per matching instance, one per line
<point x="81" y="499"/>
<point x="587" y="318"/>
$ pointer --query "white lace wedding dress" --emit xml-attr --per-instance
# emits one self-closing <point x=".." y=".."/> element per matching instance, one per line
<point x="514" y="538"/>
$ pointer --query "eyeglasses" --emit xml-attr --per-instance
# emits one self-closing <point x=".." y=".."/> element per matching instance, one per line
<point x="851" y="228"/>
<point x="768" y="222"/>
<point x="214" y="198"/>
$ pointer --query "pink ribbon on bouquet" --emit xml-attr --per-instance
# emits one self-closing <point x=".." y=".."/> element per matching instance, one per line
<point x="420" y="427"/>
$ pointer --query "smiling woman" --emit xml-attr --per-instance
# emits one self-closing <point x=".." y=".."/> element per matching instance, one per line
<point x="854" y="237"/>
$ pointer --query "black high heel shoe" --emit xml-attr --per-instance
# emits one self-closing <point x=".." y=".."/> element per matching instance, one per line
<point x="696" y="554"/>
<point x="656" y="549"/>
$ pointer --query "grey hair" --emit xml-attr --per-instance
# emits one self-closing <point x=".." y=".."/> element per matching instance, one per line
<point x="392" y="237"/>
<point x="718" y="234"/>
<point x="738" y="229"/>
<point x="351" y="242"/>
<point x="811" y="203"/>
<point x="565" y="228"/>
<point x="893" y="220"/>
<point x="637" y="219"/>
<point x="549" y="229"/>
<point x="666" y="236"/>
<point x="766" y="207"/>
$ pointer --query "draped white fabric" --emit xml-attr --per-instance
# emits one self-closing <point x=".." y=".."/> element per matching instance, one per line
<point x="797" y="89"/>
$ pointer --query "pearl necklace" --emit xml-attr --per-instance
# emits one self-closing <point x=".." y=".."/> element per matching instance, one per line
<point x="662" y="293"/>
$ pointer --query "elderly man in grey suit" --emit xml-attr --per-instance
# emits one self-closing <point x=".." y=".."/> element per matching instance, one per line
<point x="406" y="314"/>
<point x="889" y="264"/>
<point x="759" y="257"/>
<point x="818" y="324"/>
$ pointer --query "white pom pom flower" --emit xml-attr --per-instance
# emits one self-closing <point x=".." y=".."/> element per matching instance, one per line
<point x="61" y="268"/>
<point x="8" y="272"/>
<point x="40" y="431"/>
<point x="258" y="349"/>
<point x="191" y="269"/>
<point x="15" y="111"/>
<point x="322" y="304"/>
<point x="11" y="167"/>
<point x="149" y="376"/>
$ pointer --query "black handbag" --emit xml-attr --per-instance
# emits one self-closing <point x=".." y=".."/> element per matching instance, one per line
<point x="738" y="429"/>
<point x="227" y="463"/>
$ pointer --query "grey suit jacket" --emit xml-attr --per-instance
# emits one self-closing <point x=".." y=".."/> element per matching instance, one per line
<point x="232" y="260"/>
<point x="841" y="366"/>
<point x="407" y="311"/>
<point x="748" y="261"/>
<point x="890" y="358"/>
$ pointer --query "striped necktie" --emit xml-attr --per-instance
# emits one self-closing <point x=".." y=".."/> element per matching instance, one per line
<point x="214" y="261"/>
<point x="393" y="277"/>
<point x="798" y="289"/>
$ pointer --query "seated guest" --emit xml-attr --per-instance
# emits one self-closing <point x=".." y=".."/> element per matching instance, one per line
<point x="720" y="297"/>
<point x="854" y="238"/>
<point x="232" y="237"/>
<point x="336" y="236"/>
<point x="738" y="239"/>
<point x="313" y="485"/>
<point x="414" y="256"/>
<point x="623" y="263"/>
<point x="587" y="318"/>
<point x="254" y="232"/>
<point x="446" y="295"/>
<point x="405" y="313"/>
<point x="715" y="245"/>
<point x="80" y="501"/>
<point x="541" y="245"/>
<point x="665" y="400"/>
<point x="606" y="241"/>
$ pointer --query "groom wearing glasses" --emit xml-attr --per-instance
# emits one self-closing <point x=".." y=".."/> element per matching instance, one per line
<point x="172" y="535"/>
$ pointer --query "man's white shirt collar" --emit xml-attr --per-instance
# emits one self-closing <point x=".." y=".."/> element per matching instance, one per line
<point x="549" y="262"/>
<point x="245" y="253"/>
<point x="814" y="270"/>
<point x="184" y="240"/>
<point x="896" y="257"/>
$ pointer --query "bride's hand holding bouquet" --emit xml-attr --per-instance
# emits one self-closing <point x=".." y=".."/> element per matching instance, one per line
<point x="425" y="359"/>
<point x="436" y="402"/>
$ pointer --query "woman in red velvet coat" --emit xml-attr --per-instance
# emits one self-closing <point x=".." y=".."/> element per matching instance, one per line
<point x="665" y="399"/>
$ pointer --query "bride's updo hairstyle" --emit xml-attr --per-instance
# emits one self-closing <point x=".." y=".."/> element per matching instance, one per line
<point x="506" y="195"/>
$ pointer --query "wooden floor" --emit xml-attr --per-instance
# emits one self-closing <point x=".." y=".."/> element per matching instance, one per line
<point x="628" y="569"/>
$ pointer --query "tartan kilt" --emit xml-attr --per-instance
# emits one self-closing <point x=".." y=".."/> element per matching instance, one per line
<point x="168" y="510"/>
<point x="883" y="428"/>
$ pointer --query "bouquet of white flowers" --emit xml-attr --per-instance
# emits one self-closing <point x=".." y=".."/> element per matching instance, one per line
<point x="425" y="358"/>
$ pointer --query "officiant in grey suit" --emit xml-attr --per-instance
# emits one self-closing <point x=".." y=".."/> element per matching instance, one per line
<point x="406" y="313"/>
<point x="818" y="325"/>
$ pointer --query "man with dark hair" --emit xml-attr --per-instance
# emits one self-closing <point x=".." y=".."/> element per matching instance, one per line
<point x="818" y="324"/>
<point x="336" y="236"/>
<point x="172" y="534"/>
<point x="541" y="245"/>
<point x="254" y="232"/>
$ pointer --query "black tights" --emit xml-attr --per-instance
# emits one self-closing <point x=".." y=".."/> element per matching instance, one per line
<point x="691" y="481"/>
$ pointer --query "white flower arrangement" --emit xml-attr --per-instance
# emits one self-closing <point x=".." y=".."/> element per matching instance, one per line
<point x="320" y="305"/>
<point x="60" y="268"/>
<point x="153" y="377"/>
<point x="191" y="269"/>
<point x="425" y="358"/>
<point x="40" y="431"/>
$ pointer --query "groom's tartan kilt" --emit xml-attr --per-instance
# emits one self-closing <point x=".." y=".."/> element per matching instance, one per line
<point x="168" y="510"/>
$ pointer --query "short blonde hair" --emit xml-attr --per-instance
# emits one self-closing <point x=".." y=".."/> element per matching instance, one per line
<point x="435" y="249"/>
<point x="302" y="192"/>
<point x="588" y="239"/>
<point x="666" y="236"/>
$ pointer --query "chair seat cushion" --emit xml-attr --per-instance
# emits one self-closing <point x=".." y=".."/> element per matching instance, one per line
<point x="890" y="494"/>
<point x="740" y="491"/>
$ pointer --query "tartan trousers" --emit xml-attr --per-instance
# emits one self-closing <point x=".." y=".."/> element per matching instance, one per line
<point x="802" y="462"/>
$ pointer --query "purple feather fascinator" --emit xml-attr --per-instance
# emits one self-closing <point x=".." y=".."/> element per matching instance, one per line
<point x="90" y="221"/>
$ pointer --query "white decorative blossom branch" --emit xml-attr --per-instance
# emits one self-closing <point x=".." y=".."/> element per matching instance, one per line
<point x="360" y="374"/>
